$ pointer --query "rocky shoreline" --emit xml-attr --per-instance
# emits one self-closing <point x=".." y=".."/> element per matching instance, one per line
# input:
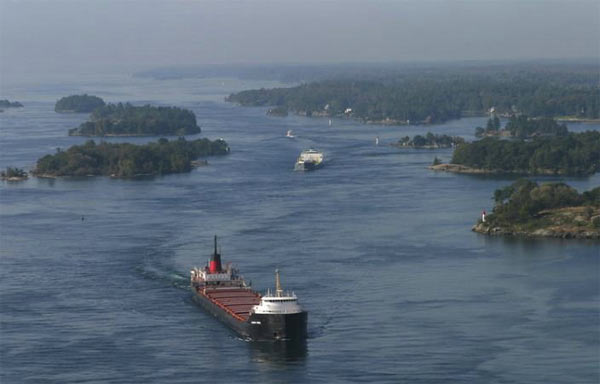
<point x="14" y="178"/>
<point x="432" y="146"/>
<point x="563" y="223"/>
<point x="577" y="120"/>
<point x="553" y="232"/>
<point x="458" y="168"/>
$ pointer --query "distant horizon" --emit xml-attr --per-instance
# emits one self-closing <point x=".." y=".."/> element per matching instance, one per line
<point x="548" y="60"/>
<point x="234" y="70"/>
<point x="115" y="36"/>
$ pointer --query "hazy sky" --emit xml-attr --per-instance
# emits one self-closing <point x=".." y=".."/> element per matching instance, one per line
<point x="130" y="35"/>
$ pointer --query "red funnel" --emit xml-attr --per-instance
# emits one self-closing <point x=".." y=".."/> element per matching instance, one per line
<point x="215" y="261"/>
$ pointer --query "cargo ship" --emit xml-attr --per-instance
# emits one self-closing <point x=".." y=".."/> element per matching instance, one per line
<point x="226" y="295"/>
<point x="309" y="160"/>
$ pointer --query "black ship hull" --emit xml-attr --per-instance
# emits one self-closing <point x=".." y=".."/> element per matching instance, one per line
<point x="308" y="166"/>
<point x="259" y="327"/>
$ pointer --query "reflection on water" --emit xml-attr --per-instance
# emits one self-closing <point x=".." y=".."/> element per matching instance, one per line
<point x="278" y="352"/>
<point x="540" y="247"/>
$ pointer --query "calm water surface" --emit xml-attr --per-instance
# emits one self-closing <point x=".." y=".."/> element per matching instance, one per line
<point x="378" y="248"/>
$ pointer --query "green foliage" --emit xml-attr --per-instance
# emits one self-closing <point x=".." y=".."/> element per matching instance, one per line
<point x="78" y="103"/>
<point x="493" y="124"/>
<point x="524" y="199"/>
<point x="430" y="141"/>
<point x="592" y="197"/>
<point x="436" y="161"/>
<point x="13" y="172"/>
<point x="5" y="103"/>
<point x="574" y="154"/>
<point x="429" y="99"/>
<point x="125" y="119"/>
<point x="128" y="160"/>
<point x="524" y="127"/>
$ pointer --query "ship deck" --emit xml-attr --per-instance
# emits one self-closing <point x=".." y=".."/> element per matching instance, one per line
<point x="236" y="301"/>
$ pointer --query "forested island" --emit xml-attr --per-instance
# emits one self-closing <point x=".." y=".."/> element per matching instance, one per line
<point x="5" y="103"/>
<point x="576" y="154"/>
<point x="128" y="160"/>
<point x="437" y="96"/>
<point x="429" y="141"/>
<point x="126" y="120"/>
<point x="13" y="174"/>
<point x="522" y="127"/>
<point x="525" y="208"/>
<point x="78" y="104"/>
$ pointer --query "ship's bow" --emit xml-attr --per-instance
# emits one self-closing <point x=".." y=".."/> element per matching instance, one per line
<point x="278" y="326"/>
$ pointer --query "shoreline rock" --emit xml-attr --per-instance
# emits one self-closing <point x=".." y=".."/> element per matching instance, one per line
<point x="557" y="233"/>
<point x="15" y="178"/>
<point x="433" y="146"/>
<point x="561" y="223"/>
<point x="458" y="168"/>
<point x="578" y="120"/>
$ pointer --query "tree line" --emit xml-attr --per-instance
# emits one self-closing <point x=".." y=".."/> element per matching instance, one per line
<point x="5" y="103"/>
<point x="128" y="160"/>
<point x="573" y="154"/>
<point x="523" y="127"/>
<point x="78" y="103"/>
<point x="422" y="98"/>
<point x="127" y="120"/>
<point x="430" y="140"/>
<point x="523" y="200"/>
<point x="12" y="172"/>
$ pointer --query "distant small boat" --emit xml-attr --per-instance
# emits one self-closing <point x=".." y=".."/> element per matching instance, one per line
<point x="309" y="160"/>
<point x="377" y="140"/>
<point x="330" y="122"/>
<point x="289" y="134"/>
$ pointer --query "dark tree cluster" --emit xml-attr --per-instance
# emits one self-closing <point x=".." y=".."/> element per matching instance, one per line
<point x="492" y="127"/>
<point x="422" y="98"/>
<point x="5" y="103"/>
<point x="78" y="103"/>
<point x="12" y="172"/>
<point x="524" y="199"/>
<point x="126" y="120"/>
<point x="128" y="160"/>
<point x="430" y="141"/>
<point x="523" y="127"/>
<point x="573" y="154"/>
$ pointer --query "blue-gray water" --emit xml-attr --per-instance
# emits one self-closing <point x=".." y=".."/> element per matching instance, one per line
<point x="378" y="248"/>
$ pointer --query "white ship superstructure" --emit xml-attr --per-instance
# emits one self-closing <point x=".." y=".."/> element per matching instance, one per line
<point x="309" y="160"/>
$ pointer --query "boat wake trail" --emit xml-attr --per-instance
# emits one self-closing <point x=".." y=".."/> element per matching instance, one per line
<point x="155" y="267"/>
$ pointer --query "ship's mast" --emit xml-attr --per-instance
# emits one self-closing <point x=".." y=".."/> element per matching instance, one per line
<point x="278" y="284"/>
<point x="215" y="262"/>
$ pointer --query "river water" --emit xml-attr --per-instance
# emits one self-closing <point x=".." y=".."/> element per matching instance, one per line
<point x="94" y="271"/>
